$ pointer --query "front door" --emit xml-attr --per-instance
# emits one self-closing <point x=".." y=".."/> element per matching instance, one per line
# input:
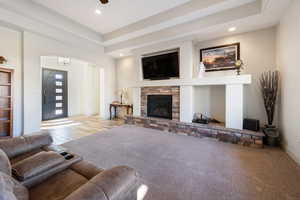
<point x="55" y="94"/>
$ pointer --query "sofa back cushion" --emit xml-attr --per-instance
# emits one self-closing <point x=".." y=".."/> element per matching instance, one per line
<point x="10" y="189"/>
<point x="24" y="144"/>
<point x="5" y="166"/>
<point x="36" y="164"/>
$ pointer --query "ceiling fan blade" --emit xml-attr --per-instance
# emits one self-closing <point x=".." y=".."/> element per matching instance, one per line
<point x="104" y="1"/>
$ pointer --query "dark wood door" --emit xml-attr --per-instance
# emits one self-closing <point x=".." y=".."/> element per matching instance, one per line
<point x="55" y="94"/>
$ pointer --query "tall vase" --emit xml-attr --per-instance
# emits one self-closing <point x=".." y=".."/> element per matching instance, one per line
<point x="201" y="70"/>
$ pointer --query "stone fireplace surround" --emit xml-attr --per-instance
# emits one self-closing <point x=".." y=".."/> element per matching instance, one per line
<point x="163" y="90"/>
<point x="234" y="96"/>
<point x="182" y="95"/>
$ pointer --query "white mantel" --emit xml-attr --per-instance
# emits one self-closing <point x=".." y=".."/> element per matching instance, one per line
<point x="234" y="96"/>
<point x="217" y="80"/>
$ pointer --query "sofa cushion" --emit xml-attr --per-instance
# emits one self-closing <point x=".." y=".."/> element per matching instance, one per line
<point x="20" y="145"/>
<point x="23" y="156"/>
<point x="38" y="140"/>
<point x="36" y="164"/>
<point x="50" y="172"/>
<point x="58" y="186"/>
<point x="89" y="191"/>
<point x="117" y="183"/>
<point x="11" y="189"/>
<point x="86" y="169"/>
<point x="5" y="166"/>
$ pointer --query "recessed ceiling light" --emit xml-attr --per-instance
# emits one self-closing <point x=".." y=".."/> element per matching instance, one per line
<point x="232" y="29"/>
<point x="121" y="54"/>
<point x="98" y="12"/>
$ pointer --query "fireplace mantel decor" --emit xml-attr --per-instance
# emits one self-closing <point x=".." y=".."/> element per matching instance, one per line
<point x="2" y="60"/>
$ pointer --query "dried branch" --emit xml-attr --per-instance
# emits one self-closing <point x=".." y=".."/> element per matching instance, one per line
<point x="269" y="82"/>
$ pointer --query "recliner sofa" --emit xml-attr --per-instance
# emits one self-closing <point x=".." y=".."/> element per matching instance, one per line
<point x="32" y="169"/>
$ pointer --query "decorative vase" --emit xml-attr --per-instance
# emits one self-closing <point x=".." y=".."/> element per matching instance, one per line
<point x="201" y="70"/>
<point x="2" y="60"/>
<point x="272" y="135"/>
<point x="239" y="66"/>
<point x="124" y="96"/>
<point x="269" y="82"/>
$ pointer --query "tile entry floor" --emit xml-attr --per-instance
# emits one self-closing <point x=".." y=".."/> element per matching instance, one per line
<point x="67" y="129"/>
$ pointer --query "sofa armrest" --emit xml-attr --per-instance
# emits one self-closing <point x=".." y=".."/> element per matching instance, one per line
<point x="19" y="145"/>
<point x="119" y="183"/>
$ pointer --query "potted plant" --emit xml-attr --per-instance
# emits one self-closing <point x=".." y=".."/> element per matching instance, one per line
<point x="269" y="82"/>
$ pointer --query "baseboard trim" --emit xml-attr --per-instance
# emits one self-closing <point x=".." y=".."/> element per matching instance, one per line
<point x="293" y="156"/>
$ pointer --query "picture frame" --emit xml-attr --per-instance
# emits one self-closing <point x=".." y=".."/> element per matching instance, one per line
<point x="221" y="57"/>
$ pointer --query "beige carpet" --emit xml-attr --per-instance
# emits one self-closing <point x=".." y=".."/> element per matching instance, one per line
<point x="178" y="167"/>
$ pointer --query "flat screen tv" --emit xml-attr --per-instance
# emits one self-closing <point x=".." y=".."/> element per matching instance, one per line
<point x="162" y="66"/>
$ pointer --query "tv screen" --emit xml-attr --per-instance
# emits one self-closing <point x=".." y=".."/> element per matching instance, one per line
<point x="162" y="66"/>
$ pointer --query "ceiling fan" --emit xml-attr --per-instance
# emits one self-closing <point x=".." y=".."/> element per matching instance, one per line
<point x="104" y="1"/>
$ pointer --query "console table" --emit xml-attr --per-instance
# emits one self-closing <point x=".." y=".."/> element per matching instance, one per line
<point x="118" y="105"/>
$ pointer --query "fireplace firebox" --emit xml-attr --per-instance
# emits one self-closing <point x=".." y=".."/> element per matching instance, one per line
<point x="159" y="106"/>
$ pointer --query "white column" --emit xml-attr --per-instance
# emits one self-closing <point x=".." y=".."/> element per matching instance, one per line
<point x="234" y="106"/>
<point x="136" y="98"/>
<point x="186" y="103"/>
<point x="186" y="60"/>
<point x="102" y="107"/>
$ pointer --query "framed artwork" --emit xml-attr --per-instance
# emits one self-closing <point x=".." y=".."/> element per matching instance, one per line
<point x="220" y="57"/>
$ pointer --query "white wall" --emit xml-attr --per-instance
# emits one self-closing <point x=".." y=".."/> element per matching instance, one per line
<point x="91" y="91"/>
<point x="288" y="62"/>
<point x="83" y="85"/>
<point x="36" y="46"/>
<point x="126" y="73"/>
<point x="10" y="48"/>
<point x="258" y="51"/>
<point x="210" y="101"/>
<point x="24" y="51"/>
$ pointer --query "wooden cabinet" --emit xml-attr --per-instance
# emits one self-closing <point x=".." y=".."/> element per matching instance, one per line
<point x="6" y="102"/>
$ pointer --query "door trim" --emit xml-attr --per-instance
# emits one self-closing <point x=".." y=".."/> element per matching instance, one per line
<point x="65" y="94"/>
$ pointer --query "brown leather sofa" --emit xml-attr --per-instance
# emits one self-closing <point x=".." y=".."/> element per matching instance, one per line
<point x="30" y="168"/>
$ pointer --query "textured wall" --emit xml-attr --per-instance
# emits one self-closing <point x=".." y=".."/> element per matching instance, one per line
<point x="288" y="54"/>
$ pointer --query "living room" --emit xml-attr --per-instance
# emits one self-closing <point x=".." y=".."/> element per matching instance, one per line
<point x="180" y="99"/>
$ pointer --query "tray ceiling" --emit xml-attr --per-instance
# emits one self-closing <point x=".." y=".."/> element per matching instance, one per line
<point x="116" y="14"/>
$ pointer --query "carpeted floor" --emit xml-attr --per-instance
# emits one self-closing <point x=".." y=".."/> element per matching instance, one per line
<point x="178" y="167"/>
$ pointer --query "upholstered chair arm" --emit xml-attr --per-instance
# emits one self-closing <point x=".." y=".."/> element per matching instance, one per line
<point x="119" y="183"/>
<point x="19" y="145"/>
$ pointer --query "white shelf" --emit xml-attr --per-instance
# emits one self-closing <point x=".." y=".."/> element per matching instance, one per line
<point x="221" y="80"/>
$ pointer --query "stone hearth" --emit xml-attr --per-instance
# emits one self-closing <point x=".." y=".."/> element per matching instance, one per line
<point x="235" y="136"/>
<point x="171" y="90"/>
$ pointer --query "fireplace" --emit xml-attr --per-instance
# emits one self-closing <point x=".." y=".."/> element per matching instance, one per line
<point x="166" y="98"/>
<point x="159" y="106"/>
